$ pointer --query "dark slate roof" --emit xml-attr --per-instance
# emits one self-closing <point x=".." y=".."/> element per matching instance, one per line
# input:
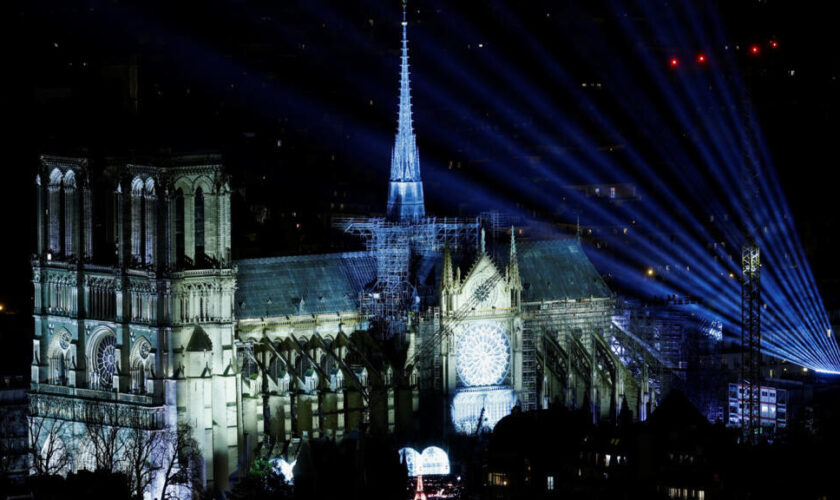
<point x="324" y="283"/>
<point x="549" y="269"/>
<point x="557" y="269"/>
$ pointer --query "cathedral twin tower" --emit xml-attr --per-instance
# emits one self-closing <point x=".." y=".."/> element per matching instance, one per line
<point x="136" y="305"/>
<point x="164" y="217"/>
<point x="134" y="294"/>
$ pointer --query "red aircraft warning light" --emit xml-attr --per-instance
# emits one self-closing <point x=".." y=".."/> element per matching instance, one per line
<point x="774" y="44"/>
<point x="674" y="62"/>
<point x="701" y="58"/>
<point x="754" y="50"/>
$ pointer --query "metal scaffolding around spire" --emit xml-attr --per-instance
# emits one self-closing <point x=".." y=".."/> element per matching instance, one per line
<point x="406" y="233"/>
<point x="405" y="193"/>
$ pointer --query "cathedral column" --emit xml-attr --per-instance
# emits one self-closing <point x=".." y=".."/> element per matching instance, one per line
<point x="71" y="373"/>
<point x="316" y="406"/>
<point x="189" y="226"/>
<point x="339" y="411"/>
<point x="619" y="387"/>
<point x="287" y="415"/>
<point x="211" y="225"/>
<point x="74" y="296"/>
<point x="39" y="217"/>
<point x="449" y="363"/>
<point x="120" y="229"/>
<point x="119" y="313"/>
<point x="169" y="246"/>
<point x="224" y="223"/>
<point x="87" y="306"/>
<point x="249" y="428"/>
<point x="136" y="225"/>
<point x="38" y="293"/>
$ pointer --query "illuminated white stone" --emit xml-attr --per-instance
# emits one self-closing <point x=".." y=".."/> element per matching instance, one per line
<point x="411" y="459"/>
<point x="434" y="461"/>
<point x="285" y="468"/>
<point x="468" y="403"/>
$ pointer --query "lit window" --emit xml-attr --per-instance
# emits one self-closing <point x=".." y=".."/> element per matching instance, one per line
<point x="612" y="192"/>
<point x="549" y="483"/>
<point x="498" y="479"/>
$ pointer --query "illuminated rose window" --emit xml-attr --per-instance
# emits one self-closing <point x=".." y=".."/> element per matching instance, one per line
<point x="482" y="355"/>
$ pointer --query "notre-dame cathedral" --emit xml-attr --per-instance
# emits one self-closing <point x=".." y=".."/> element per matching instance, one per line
<point x="139" y="305"/>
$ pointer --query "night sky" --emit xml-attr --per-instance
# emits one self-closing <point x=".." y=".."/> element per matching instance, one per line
<point x="300" y="99"/>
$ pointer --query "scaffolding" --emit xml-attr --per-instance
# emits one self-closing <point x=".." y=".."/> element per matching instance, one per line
<point x="751" y="341"/>
<point x="559" y="338"/>
<point x="395" y="244"/>
<point x="528" y="397"/>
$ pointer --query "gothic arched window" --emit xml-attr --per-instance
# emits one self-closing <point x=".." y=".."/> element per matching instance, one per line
<point x="140" y="364"/>
<point x="58" y="358"/>
<point x="179" y="226"/>
<point x="276" y="368"/>
<point x="105" y="361"/>
<point x="199" y="224"/>
<point x="136" y="215"/>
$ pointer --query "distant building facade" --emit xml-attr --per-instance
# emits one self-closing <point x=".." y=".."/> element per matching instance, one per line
<point x="773" y="413"/>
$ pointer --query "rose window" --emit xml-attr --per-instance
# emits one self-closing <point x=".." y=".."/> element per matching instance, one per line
<point x="64" y="340"/>
<point x="482" y="355"/>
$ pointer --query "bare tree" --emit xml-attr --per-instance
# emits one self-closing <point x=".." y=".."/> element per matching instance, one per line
<point x="45" y="427"/>
<point x="103" y="429"/>
<point x="182" y="464"/>
<point x="143" y="449"/>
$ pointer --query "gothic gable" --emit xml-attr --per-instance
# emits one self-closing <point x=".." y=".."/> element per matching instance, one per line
<point x="484" y="287"/>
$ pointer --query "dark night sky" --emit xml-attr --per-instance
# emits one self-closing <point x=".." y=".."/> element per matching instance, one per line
<point x="236" y="77"/>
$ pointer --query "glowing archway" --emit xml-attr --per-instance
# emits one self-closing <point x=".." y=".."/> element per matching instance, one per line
<point x="434" y="461"/>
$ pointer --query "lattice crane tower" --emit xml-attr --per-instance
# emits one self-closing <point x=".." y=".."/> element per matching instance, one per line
<point x="751" y="341"/>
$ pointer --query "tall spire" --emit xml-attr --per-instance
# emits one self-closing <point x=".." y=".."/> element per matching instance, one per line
<point x="419" y="494"/>
<point x="513" y="266"/>
<point x="405" y="194"/>
<point x="447" y="267"/>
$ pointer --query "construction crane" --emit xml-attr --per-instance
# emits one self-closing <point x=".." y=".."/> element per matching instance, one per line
<point x="751" y="342"/>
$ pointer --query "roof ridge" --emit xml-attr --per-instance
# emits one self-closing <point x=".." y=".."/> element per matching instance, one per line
<point x="306" y="258"/>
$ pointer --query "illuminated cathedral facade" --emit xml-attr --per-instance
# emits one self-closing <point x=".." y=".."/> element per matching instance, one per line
<point x="138" y="305"/>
